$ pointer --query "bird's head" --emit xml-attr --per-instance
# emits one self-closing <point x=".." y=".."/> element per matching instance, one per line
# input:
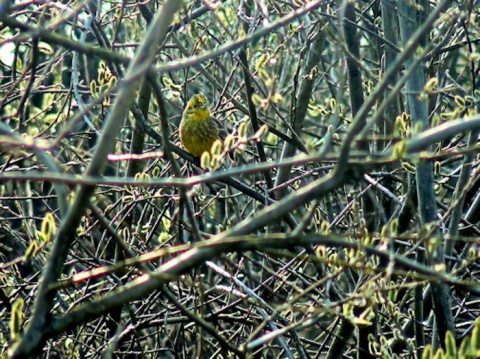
<point x="197" y="106"/>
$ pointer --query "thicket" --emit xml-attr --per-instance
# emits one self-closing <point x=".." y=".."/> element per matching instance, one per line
<point x="346" y="225"/>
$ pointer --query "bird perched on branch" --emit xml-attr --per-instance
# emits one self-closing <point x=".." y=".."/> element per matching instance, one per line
<point x="198" y="128"/>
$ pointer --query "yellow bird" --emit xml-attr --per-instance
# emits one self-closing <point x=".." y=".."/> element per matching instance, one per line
<point x="198" y="128"/>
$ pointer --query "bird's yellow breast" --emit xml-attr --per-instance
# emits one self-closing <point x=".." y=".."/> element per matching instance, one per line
<point x="198" y="136"/>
